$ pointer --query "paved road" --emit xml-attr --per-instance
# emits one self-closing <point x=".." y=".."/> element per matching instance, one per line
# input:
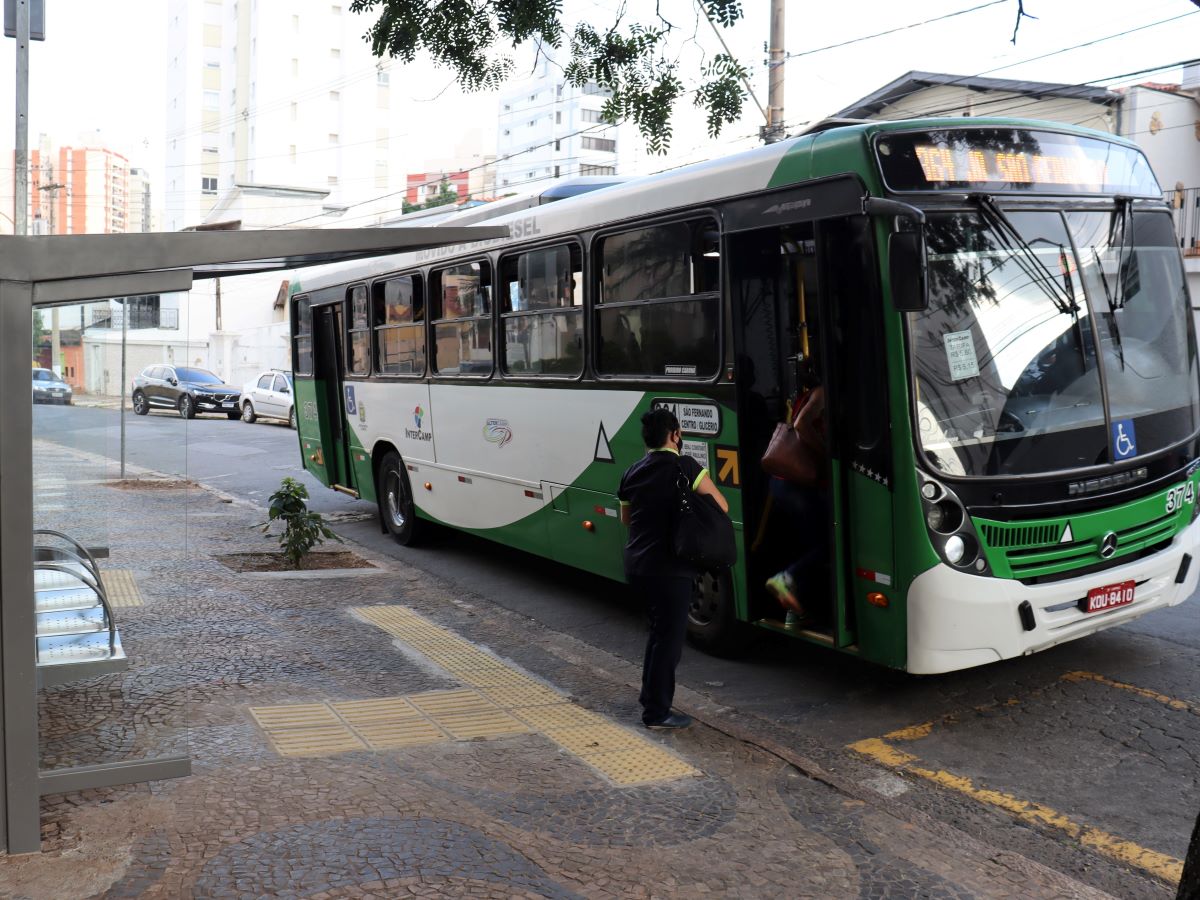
<point x="1083" y="757"/>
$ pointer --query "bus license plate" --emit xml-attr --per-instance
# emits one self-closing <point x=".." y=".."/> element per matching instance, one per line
<point x="1110" y="596"/>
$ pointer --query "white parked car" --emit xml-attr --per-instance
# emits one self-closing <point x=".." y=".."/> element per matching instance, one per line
<point x="270" y="396"/>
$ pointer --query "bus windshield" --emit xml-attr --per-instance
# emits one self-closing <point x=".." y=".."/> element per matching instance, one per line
<point x="1037" y="322"/>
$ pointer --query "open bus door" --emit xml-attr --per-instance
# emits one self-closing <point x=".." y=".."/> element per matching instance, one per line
<point x="806" y="312"/>
<point x="327" y="452"/>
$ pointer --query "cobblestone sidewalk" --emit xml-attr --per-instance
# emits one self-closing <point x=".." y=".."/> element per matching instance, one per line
<point x="379" y="735"/>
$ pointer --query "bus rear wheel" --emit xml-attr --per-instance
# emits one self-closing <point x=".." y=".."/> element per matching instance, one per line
<point x="713" y="624"/>
<point x="396" y="507"/>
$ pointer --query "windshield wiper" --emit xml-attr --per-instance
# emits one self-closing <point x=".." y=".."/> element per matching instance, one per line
<point x="1027" y="259"/>
<point x="1125" y="208"/>
<point x="1112" y="307"/>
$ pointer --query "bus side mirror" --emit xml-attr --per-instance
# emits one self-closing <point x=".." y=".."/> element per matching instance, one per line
<point x="906" y="270"/>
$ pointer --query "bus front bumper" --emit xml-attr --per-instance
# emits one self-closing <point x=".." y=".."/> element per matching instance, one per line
<point x="956" y="620"/>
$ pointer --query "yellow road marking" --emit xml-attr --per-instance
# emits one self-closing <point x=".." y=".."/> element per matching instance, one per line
<point x="911" y="733"/>
<point x="1161" y="865"/>
<point x="1172" y="702"/>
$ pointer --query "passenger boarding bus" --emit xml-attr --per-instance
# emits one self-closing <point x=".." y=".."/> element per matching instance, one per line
<point x="995" y="309"/>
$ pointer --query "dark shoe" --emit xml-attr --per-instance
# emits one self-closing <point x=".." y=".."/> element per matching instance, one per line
<point x="673" y="720"/>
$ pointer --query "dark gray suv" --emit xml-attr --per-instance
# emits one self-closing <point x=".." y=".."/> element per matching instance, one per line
<point x="186" y="389"/>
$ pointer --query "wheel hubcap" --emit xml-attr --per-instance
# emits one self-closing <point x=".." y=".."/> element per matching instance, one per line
<point x="706" y="600"/>
<point x="394" y="495"/>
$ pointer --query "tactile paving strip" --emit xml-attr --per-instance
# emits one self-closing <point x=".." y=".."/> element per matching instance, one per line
<point x="503" y="701"/>
<point x="628" y="767"/>
<point x="120" y="587"/>
<point x="305" y="729"/>
<point x="521" y="694"/>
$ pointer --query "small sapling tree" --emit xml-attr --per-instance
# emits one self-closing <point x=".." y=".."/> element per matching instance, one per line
<point x="302" y="528"/>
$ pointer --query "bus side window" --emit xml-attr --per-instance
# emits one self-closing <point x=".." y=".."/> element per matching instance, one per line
<point x="659" y="306"/>
<point x="462" y="319"/>
<point x="398" y="315"/>
<point x="542" y="313"/>
<point x="302" y="328"/>
<point x="359" y="333"/>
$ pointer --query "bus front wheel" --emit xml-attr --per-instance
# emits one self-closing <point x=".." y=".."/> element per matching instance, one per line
<point x="713" y="624"/>
<point x="395" y="500"/>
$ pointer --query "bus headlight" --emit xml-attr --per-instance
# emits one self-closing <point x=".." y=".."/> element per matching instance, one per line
<point x="944" y="517"/>
<point x="950" y="529"/>
<point x="955" y="549"/>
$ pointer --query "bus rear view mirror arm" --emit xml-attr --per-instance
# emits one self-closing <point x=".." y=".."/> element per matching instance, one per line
<point x="878" y="206"/>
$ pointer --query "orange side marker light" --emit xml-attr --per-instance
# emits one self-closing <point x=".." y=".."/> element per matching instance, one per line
<point x="877" y="599"/>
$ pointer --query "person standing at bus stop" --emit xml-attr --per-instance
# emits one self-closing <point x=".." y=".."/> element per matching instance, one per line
<point x="664" y="582"/>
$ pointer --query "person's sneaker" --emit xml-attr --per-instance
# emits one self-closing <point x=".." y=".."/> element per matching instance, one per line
<point x="672" y="720"/>
<point x="781" y="587"/>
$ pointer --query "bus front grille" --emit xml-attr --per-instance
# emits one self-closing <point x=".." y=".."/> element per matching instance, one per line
<point x="1050" y="558"/>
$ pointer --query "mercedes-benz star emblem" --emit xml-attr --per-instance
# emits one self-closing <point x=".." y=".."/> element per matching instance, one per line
<point x="1108" y="545"/>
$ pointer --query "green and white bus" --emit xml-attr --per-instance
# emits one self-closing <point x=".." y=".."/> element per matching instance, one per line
<point x="996" y="310"/>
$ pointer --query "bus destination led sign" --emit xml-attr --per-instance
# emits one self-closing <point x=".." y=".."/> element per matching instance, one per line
<point x="1012" y="160"/>
<point x="941" y="164"/>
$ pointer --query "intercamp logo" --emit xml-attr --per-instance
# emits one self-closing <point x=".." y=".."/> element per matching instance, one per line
<point x="496" y="431"/>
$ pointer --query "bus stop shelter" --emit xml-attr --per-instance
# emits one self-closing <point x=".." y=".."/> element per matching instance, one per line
<point x="45" y="271"/>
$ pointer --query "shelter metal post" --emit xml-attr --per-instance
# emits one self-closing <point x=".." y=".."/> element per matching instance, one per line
<point x="20" y="824"/>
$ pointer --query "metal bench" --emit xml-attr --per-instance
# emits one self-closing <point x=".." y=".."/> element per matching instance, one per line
<point x="76" y="633"/>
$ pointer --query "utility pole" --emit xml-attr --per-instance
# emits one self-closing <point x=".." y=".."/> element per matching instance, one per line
<point x="774" y="129"/>
<point x="21" y="200"/>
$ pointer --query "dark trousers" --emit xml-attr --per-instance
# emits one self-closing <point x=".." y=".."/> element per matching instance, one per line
<point x="667" y="599"/>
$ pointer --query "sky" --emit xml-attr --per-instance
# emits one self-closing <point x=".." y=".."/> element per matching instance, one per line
<point x="100" y="73"/>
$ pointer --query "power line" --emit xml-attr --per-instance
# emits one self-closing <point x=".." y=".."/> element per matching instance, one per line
<point x="962" y="78"/>
<point x="871" y="37"/>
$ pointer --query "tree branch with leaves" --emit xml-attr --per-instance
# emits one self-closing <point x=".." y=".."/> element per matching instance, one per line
<point x="630" y="60"/>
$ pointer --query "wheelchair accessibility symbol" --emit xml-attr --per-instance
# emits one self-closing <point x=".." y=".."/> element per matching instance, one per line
<point x="351" y="406"/>
<point x="1124" y="439"/>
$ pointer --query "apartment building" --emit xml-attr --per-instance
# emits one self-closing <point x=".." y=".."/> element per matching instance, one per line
<point x="280" y="95"/>
<point x="140" y="214"/>
<point x="78" y="190"/>
<point x="549" y="129"/>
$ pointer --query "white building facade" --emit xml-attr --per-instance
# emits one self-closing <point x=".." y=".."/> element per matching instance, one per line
<point x="549" y="129"/>
<point x="274" y="94"/>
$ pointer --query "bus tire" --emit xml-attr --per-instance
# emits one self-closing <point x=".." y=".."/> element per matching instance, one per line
<point x="396" y="507"/>
<point x="713" y="625"/>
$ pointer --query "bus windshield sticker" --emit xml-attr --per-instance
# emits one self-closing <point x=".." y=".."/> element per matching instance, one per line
<point x="960" y="355"/>
<point x="696" y="417"/>
<point x="1124" y="439"/>
<point x="679" y="370"/>
<point x="697" y="450"/>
